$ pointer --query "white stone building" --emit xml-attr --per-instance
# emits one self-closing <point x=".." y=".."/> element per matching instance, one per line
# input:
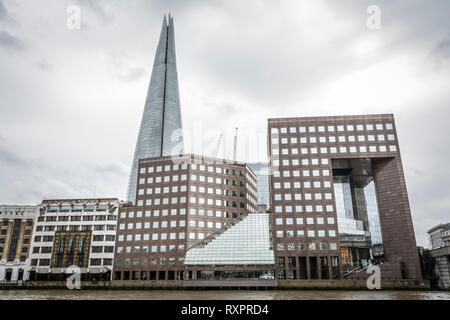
<point x="76" y="232"/>
<point x="16" y="226"/>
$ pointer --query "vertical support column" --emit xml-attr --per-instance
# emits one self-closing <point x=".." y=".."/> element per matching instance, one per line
<point x="330" y="269"/>
<point x="297" y="267"/>
<point x="15" y="274"/>
<point x="308" y="268"/>
<point x="2" y="273"/>
<point x="319" y="268"/>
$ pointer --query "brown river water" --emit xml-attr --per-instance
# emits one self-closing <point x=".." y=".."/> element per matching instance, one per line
<point x="222" y="295"/>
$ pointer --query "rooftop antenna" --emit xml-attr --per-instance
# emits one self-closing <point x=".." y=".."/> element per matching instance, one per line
<point x="218" y="145"/>
<point x="235" y="144"/>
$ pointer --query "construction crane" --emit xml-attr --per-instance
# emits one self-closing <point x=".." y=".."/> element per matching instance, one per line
<point x="218" y="145"/>
<point x="235" y="144"/>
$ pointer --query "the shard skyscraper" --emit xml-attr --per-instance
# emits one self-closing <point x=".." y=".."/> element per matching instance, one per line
<point x="161" y="131"/>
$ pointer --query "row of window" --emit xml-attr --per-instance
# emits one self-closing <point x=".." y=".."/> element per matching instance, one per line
<point x="301" y="233"/>
<point x="162" y="236"/>
<point x="78" y="218"/>
<point x="109" y="227"/>
<point x="305" y="173"/>
<point x="184" y="166"/>
<point x="96" y="227"/>
<point x="174" y="189"/>
<point x="332" y="139"/>
<point x="305" y="162"/>
<point x="300" y="221"/>
<point x="167" y="179"/>
<point x="309" y="208"/>
<point x="296" y="184"/>
<point x="23" y="250"/>
<point x="3" y="232"/>
<point x="77" y="208"/>
<point x="94" y="249"/>
<point x="153" y="261"/>
<point x="110" y="237"/>
<point x="324" y="150"/>
<point x="332" y="128"/>
<point x="170" y="224"/>
<point x="308" y="185"/>
<point x="302" y="246"/>
<point x="145" y="249"/>
<point x="5" y="222"/>
<point x="306" y="196"/>
<point x="192" y="200"/>
<point x="93" y="262"/>
<point x="155" y="236"/>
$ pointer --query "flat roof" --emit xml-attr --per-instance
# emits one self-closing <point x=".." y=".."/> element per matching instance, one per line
<point x="382" y="116"/>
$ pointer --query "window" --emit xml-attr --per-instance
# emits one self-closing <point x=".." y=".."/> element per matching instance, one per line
<point x="96" y="262"/>
<point x="44" y="262"/>
<point x="98" y="237"/>
<point x="97" y="249"/>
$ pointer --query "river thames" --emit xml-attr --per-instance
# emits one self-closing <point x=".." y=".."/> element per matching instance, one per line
<point x="222" y="295"/>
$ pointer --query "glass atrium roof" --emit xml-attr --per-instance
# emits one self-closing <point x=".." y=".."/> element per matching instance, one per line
<point x="245" y="241"/>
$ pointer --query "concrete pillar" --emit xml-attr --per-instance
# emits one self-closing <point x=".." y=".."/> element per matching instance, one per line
<point x="308" y="270"/>
<point x="2" y="273"/>
<point x="15" y="274"/>
<point x="330" y="270"/>
<point x="26" y="274"/>
<point x="297" y="267"/>
<point x="319" y="268"/>
<point x="286" y="267"/>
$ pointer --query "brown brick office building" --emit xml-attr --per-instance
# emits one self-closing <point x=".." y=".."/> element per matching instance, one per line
<point x="338" y="198"/>
<point x="178" y="203"/>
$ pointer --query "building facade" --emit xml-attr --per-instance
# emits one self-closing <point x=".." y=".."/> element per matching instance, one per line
<point x="75" y="232"/>
<point x="161" y="130"/>
<point x="261" y="169"/>
<point x="179" y="202"/>
<point x="15" y="240"/>
<point x="242" y="249"/>
<point x="339" y="198"/>
<point x="439" y="237"/>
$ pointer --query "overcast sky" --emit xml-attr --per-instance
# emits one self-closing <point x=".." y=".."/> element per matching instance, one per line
<point x="71" y="101"/>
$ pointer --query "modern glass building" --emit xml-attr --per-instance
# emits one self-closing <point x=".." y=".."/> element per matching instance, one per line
<point x="241" y="249"/>
<point x="357" y="212"/>
<point x="261" y="169"/>
<point x="161" y="130"/>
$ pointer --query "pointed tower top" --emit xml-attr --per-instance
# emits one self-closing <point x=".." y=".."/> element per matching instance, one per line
<point x="162" y="111"/>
